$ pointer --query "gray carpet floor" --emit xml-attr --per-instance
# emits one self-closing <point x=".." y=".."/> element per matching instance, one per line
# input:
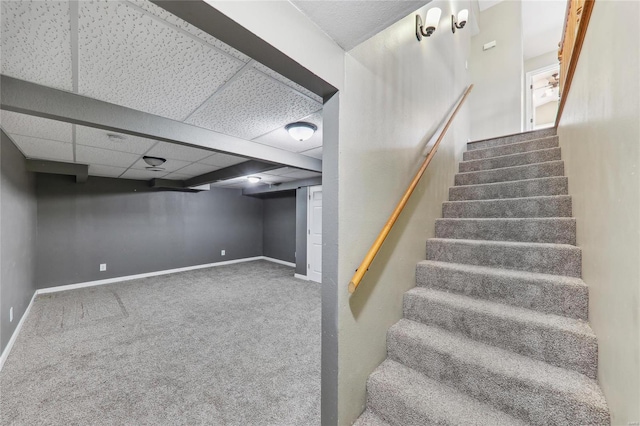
<point x="230" y="345"/>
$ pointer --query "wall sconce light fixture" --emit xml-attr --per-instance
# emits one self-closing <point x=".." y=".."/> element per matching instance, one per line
<point x="463" y="15"/>
<point x="430" y="23"/>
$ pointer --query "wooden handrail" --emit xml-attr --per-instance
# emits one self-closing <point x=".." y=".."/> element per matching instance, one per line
<point x="375" y="248"/>
<point x="575" y="29"/>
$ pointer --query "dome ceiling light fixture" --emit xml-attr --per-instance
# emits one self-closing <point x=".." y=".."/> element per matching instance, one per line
<point x="114" y="137"/>
<point x="154" y="163"/>
<point x="253" y="179"/>
<point x="301" y="130"/>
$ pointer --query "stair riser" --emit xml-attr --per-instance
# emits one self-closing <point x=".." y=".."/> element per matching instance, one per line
<point x="559" y="206"/>
<point x="532" y="157"/>
<point x="558" y="347"/>
<point x="533" y="171"/>
<point x="516" y="148"/>
<point x="554" y="231"/>
<point x="526" y="400"/>
<point x="505" y="140"/>
<point x="560" y="260"/>
<point x="538" y="294"/>
<point x="518" y="189"/>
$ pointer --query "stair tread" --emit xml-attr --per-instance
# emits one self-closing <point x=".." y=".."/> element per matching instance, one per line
<point x="506" y="158"/>
<point x="510" y="182"/>
<point x="503" y="362"/>
<point x="370" y="418"/>
<point x="509" y="168"/>
<point x="515" y="148"/>
<point x="506" y="312"/>
<point x="506" y="243"/>
<point x="519" y="207"/>
<point x="529" y="135"/>
<point x="420" y="398"/>
<point x="509" y="273"/>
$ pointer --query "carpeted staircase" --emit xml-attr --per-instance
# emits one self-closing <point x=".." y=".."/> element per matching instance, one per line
<point x="495" y="332"/>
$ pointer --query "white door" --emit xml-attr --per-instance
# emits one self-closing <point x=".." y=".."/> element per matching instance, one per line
<point x="314" y="234"/>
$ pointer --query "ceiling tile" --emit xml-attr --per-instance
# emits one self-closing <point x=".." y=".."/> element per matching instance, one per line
<point x="196" y="169"/>
<point x="315" y="153"/>
<point x="271" y="73"/>
<point x="97" y="138"/>
<point x="28" y="125"/>
<point x="223" y="160"/>
<point x="252" y="105"/>
<point x="142" y="174"/>
<point x="178" y="152"/>
<point x="281" y="139"/>
<point x="36" y="42"/>
<point x="128" y="58"/>
<point x="105" y="171"/>
<point x="169" y="166"/>
<point x="105" y="157"/>
<point x="44" y="149"/>
<point x="171" y="19"/>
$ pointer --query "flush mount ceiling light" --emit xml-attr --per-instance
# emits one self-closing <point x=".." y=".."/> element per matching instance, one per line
<point x="253" y="179"/>
<point x="301" y="131"/>
<point x="463" y="15"/>
<point x="154" y="162"/>
<point x="430" y="23"/>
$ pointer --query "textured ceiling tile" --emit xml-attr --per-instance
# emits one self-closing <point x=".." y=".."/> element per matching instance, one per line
<point x="36" y="42"/>
<point x="119" y="142"/>
<point x="142" y="174"/>
<point x="169" y="166"/>
<point x="44" y="149"/>
<point x="177" y="22"/>
<point x="28" y="125"/>
<point x="105" y="171"/>
<point x="128" y="58"/>
<point x="178" y="152"/>
<point x="252" y="105"/>
<point x="268" y="71"/>
<point x="196" y="169"/>
<point x="223" y="160"/>
<point x="315" y="153"/>
<point x="281" y="139"/>
<point x="104" y="157"/>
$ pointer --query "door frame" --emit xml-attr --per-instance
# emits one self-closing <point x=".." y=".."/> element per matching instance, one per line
<point x="530" y="119"/>
<point x="310" y="191"/>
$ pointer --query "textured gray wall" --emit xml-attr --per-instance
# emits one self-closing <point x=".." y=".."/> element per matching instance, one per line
<point x="17" y="236"/>
<point x="135" y="230"/>
<point x="279" y="226"/>
<point x="301" y="230"/>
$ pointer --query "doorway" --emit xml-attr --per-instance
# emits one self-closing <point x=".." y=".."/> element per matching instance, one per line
<point x="543" y="96"/>
<point x="314" y="234"/>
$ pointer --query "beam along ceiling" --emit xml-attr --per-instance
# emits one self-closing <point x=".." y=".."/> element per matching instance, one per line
<point x="135" y="54"/>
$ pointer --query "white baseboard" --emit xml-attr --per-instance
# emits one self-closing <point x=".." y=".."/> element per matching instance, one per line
<point x="145" y="275"/>
<point x="14" y="336"/>
<point x="302" y="277"/>
<point x="282" y="262"/>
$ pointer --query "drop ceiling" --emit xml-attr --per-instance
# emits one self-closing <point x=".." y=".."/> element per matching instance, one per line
<point x="137" y="55"/>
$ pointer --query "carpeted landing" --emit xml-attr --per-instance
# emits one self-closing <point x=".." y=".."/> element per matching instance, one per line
<point x="236" y="345"/>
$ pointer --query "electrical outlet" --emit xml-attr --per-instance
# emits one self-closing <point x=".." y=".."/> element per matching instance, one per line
<point x="223" y="252"/>
<point x="11" y="314"/>
<point x="103" y="267"/>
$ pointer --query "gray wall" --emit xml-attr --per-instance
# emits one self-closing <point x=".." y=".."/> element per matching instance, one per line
<point x="135" y="230"/>
<point x="279" y="226"/>
<point x="301" y="230"/>
<point x="18" y="237"/>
